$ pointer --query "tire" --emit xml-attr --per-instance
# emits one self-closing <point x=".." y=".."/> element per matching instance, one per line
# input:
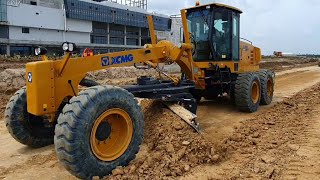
<point x="267" y="86"/>
<point x="24" y="127"/>
<point x="88" y="83"/>
<point x="74" y="141"/>
<point x="247" y="92"/>
<point x="232" y="93"/>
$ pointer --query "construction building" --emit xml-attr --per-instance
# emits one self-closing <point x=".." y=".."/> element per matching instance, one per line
<point x="105" y="26"/>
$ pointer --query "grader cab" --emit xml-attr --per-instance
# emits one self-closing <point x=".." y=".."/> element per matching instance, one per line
<point x="99" y="128"/>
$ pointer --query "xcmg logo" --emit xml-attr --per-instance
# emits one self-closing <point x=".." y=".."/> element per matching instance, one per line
<point x="108" y="61"/>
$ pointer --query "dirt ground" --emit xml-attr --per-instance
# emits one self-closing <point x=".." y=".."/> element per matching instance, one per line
<point x="285" y="63"/>
<point x="280" y="141"/>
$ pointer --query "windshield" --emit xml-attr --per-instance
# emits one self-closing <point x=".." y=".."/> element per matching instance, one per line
<point x="213" y="34"/>
<point x="198" y="25"/>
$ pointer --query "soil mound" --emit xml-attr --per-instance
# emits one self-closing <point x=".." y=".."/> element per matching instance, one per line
<point x="12" y="79"/>
<point x="171" y="148"/>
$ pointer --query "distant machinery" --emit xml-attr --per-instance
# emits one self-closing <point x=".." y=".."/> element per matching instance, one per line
<point x="278" y="53"/>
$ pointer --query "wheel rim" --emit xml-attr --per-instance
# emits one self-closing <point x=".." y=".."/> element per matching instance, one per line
<point x="111" y="134"/>
<point x="255" y="92"/>
<point x="269" y="88"/>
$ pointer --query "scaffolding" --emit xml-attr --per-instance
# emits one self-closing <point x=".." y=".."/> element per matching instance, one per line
<point x="134" y="3"/>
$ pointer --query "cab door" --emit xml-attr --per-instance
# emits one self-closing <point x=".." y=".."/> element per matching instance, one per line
<point x="235" y="36"/>
<point x="222" y="34"/>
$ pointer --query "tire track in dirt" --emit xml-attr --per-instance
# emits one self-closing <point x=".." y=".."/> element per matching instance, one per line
<point x="280" y="143"/>
<point x="305" y="162"/>
<point x="38" y="159"/>
<point x="219" y="118"/>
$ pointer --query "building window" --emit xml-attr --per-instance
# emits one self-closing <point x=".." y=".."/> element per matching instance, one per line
<point x="117" y="40"/>
<point x="33" y="3"/>
<point x="26" y="30"/>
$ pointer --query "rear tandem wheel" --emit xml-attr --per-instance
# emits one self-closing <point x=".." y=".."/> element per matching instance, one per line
<point x="267" y="86"/>
<point x="100" y="129"/>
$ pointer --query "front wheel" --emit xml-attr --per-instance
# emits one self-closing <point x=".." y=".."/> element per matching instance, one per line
<point x="247" y="92"/>
<point x="24" y="127"/>
<point x="100" y="129"/>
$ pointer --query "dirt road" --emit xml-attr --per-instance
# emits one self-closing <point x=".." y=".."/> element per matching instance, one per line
<point x="281" y="143"/>
<point x="220" y="122"/>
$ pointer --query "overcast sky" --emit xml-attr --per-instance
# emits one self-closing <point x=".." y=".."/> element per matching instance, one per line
<point x="291" y="26"/>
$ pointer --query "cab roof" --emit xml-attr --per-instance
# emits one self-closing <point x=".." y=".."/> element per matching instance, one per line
<point x="219" y="5"/>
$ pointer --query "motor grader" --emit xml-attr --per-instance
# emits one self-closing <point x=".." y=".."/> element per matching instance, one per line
<point x="101" y="127"/>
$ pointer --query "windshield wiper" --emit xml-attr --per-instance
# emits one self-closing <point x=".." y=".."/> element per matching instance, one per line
<point x="203" y="18"/>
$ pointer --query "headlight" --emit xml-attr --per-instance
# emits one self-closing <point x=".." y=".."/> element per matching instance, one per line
<point x="40" y="51"/>
<point x="68" y="47"/>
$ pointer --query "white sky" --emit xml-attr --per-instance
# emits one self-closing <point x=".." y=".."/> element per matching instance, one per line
<point x="291" y="26"/>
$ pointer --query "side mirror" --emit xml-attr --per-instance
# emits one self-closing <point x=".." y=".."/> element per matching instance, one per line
<point x="38" y="51"/>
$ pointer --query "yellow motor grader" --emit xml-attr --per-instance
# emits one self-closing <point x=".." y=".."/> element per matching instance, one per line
<point x="101" y="127"/>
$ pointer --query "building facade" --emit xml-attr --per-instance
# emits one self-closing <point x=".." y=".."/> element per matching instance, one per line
<point x="105" y="26"/>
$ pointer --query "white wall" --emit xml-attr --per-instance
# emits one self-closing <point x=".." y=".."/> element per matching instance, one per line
<point x="78" y="37"/>
<point x="176" y="32"/>
<point x="47" y="25"/>
<point x="26" y="15"/>
<point x="48" y="35"/>
<point x="34" y="34"/>
<point x="79" y="25"/>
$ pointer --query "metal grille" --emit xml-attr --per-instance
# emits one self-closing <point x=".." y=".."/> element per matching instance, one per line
<point x="117" y="40"/>
<point x="133" y="42"/>
<point x="13" y="2"/>
<point x="143" y="4"/>
<point x="76" y="9"/>
<point x="99" y="39"/>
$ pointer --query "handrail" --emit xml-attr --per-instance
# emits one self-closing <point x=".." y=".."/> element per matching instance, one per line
<point x="247" y="40"/>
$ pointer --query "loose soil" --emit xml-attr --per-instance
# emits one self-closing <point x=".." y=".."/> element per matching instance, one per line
<point x="281" y="143"/>
<point x="280" y="64"/>
<point x="170" y="149"/>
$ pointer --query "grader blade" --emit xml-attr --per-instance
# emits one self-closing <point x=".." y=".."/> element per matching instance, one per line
<point x="185" y="115"/>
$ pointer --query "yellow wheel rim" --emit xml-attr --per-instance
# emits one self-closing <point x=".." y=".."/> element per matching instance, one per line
<point x="255" y="92"/>
<point x="111" y="134"/>
<point x="269" y="88"/>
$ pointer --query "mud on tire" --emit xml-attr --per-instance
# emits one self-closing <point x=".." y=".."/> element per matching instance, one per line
<point x="267" y="86"/>
<point x="88" y="83"/>
<point x="26" y="128"/>
<point x="247" y="97"/>
<point x="75" y="123"/>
